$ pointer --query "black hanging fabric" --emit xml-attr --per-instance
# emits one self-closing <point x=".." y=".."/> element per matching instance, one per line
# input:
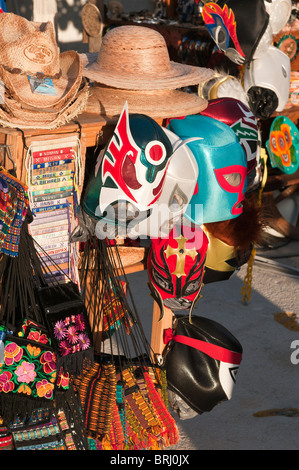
<point x="123" y="392"/>
<point x="32" y="374"/>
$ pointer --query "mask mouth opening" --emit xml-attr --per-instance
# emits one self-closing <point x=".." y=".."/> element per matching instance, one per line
<point x="262" y="102"/>
<point x="239" y="206"/>
<point x="122" y="213"/>
<point x="178" y="304"/>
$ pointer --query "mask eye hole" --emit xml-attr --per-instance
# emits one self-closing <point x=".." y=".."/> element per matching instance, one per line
<point x="155" y="152"/>
<point x="221" y="37"/>
<point x="233" y="179"/>
<point x="177" y="200"/>
<point x="132" y="211"/>
<point x="176" y="203"/>
<point x="281" y="142"/>
<point x="287" y="136"/>
<point x="192" y="287"/>
<point x="160" y="281"/>
<point x="274" y="143"/>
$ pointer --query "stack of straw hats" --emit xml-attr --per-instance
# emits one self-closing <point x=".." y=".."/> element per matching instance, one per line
<point x="133" y="65"/>
<point x="29" y="49"/>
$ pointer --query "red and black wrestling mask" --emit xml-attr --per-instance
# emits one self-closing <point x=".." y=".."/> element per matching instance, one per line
<point x="176" y="268"/>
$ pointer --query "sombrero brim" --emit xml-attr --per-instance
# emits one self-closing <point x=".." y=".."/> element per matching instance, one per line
<point x="65" y="87"/>
<point x="26" y="119"/>
<point x="178" y="76"/>
<point x="109" y="102"/>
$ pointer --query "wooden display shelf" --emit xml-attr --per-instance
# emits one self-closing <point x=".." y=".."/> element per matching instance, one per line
<point x="92" y="128"/>
<point x="292" y="113"/>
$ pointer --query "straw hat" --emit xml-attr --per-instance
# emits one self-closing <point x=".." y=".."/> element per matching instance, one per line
<point x="66" y="86"/>
<point x="13" y="114"/>
<point x="29" y="48"/>
<point x="136" y="58"/>
<point x="154" y="103"/>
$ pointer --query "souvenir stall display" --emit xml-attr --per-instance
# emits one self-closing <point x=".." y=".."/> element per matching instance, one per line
<point x="177" y="167"/>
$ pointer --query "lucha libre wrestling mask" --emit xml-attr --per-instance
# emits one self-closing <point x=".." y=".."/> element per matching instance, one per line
<point x="267" y="82"/>
<point x="237" y="27"/>
<point x="176" y="268"/>
<point x="222" y="260"/>
<point x="279" y="12"/>
<point x="283" y="145"/>
<point x="130" y="174"/>
<point x="241" y="120"/>
<point x="222" y="167"/>
<point x="202" y="359"/>
<point x="178" y="188"/>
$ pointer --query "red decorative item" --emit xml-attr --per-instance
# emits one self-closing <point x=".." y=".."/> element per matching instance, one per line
<point x="176" y="267"/>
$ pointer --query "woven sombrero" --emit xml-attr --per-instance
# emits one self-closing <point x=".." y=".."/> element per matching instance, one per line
<point x="29" y="48"/>
<point x="137" y="58"/>
<point x="162" y="104"/>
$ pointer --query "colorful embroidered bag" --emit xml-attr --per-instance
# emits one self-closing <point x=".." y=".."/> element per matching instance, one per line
<point x="27" y="376"/>
<point x="66" y="317"/>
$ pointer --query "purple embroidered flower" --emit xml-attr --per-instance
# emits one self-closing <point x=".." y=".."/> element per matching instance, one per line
<point x="60" y="330"/>
<point x="80" y="323"/>
<point x="72" y="334"/>
<point x="84" y="341"/>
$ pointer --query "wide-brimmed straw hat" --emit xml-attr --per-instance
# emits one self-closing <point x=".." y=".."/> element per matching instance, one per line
<point x="29" y="49"/>
<point x="109" y="102"/>
<point x="137" y="58"/>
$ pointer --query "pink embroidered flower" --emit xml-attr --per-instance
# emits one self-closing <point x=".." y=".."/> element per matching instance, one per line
<point x="12" y="353"/>
<point x="5" y="383"/>
<point x="38" y="336"/>
<point x="65" y="348"/>
<point x="44" y="389"/>
<point x="67" y="321"/>
<point x="25" y="372"/>
<point x="63" y="379"/>
<point x="72" y="334"/>
<point x="75" y="348"/>
<point x="48" y="360"/>
<point x="60" y="330"/>
<point x="79" y="322"/>
<point x="84" y="341"/>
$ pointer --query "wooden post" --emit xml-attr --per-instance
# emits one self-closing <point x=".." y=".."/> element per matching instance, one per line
<point x="44" y="10"/>
<point x="170" y="7"/>
<point x="92" y="15"/>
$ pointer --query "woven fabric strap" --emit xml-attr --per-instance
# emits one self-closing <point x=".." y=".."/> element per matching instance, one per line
<point x="216" y="352"/>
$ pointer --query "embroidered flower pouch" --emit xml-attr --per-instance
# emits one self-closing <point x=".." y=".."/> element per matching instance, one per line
<point x="68" y="325"/>
<point x="27" y="376"/>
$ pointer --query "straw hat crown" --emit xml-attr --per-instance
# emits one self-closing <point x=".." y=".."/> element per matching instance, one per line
<point x="28" y="47"/>
<point x="135" y="51"/>
<point x="137" y="58"/>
